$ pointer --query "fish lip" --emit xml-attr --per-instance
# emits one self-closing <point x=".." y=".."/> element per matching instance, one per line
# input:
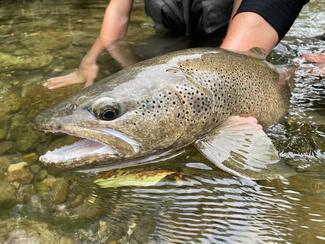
<point x="127" y="146"/>
<point x="72" y="163"/>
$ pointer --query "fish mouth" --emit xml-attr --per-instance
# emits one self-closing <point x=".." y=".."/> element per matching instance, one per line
<point x="97" y="146"/>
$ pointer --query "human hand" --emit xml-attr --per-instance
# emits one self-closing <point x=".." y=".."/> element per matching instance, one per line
<point x="314" y="57"/>
<point x="86" y="73"/>
<point x="315" y="64"/>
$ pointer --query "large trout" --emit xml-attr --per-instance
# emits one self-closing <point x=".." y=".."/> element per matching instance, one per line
<point x="218" y="100"/>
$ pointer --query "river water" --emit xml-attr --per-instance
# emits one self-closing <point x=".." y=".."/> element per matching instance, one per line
<point x="196" y="203"/>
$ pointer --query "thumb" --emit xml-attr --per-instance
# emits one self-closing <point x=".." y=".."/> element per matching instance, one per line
<point x="89" y="82"/>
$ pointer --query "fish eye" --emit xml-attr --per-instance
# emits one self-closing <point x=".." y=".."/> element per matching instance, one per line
<point x="105" y="108"/>
<point x="108" y="114"/>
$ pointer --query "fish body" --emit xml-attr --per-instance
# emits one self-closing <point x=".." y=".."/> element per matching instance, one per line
<point x="166" y="103"/>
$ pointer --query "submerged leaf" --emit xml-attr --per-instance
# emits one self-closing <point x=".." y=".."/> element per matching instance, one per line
<point x="128" y="178"/>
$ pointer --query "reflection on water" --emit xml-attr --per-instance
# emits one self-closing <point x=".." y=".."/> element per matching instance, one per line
<point x="41" y="39"/>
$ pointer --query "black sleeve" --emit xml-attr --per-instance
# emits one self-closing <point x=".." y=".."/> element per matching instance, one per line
<point x="280" y="14"/>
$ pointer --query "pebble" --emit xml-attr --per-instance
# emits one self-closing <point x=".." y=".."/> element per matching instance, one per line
<point x="6" y="147"/>
<point x="23" y="133"/>
<point x="10" y="102"/>
<point x="4" y="164"/>
<point x="31" y="157"/>
<point x="60" y="191"/>
<point x="17" y="166"/>
<point x="78" y="200"/>
<point x="20" y="172"/>
<point x="8" y="192"/>
<point x="4" y="126"/>
<point x="42" y="174"/>
<point x="35" y="168"/>
<point x="24" y="62"/>
<point x="29" y="231"/>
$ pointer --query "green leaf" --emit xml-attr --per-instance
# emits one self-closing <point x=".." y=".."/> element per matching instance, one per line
<point x="121" y="178"/>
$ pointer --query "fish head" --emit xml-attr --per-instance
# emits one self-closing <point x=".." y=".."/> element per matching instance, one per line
<point x="129" y="121"/>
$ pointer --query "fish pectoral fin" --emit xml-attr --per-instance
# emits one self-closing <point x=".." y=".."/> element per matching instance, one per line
<point x="241" y="148"/>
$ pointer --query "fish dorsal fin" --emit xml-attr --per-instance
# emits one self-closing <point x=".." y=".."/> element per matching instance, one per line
<point x="240" y="147"/>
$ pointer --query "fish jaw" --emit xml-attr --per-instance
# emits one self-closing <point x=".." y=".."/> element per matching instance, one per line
<point x="96" y="145"/>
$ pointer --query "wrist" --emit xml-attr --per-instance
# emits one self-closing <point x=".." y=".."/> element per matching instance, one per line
<point x="89" y="59"/>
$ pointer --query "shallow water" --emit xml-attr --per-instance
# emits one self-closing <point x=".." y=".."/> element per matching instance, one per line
<point x="197" y="203"/>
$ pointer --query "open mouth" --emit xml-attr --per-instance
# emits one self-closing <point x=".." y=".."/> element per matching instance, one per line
<point x="97" y="145"/>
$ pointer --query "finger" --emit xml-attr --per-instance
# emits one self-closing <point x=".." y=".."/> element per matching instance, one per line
<point x="89" y="82"/>
<point x="314" y="57"/>
<point x="56" y="86"/>
<point x="72" y="76"/>
<point x="62" y="81"/>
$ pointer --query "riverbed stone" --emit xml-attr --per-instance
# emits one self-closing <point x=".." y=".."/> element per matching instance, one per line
<point x="48" y="40"/>
<point x="28" y="231"/>
<point x="28" y="141"/>
<point x="60" y="191"/>
<point x="20" y="172"/>
<point x="76" y="201"/>
<point x="24" y="62"/>
<point x="31" y="157"/>
<point x="4" y="126"/>
<point x="42" y="174"/>
<point x="7" y="147"/>
<point x="24" y="134"/>
<point x="7" y="192"/>
<point x="35" y="168"/>
<point x="10" y="102"/>
<point x="4" y="164"/>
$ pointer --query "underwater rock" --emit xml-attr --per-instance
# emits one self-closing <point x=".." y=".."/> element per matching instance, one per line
<point x="86" y="210"/>
<point x="28" y="231"/>
<point x="7" y="193"/>
<point x="6" y="147"/>
<point x="17" y="166"/>
<point x="60" y="191"/>
<point x="6" y="160"/>
<point x="76" y="201"/>
<point x="20" y="172"/>
<point x="28" y="141"/>
<point x="28" y="62"/>
<point x="42" y="174"/>
<point x="23" y="133"/>
<point x="35" y="168"/>
<point x="142" y="230"/>
<point x="4" y="126"/>
<point x="31" y="157"/>
<point x="49" y="40"/>
<point x="4" y="163"/>
<point x="10" y="102"/>
<point x="44" y="185"/>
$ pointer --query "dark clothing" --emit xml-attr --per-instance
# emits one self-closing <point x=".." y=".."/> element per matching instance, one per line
<point x="190" y="16"/>
<point x="209" y="17"/>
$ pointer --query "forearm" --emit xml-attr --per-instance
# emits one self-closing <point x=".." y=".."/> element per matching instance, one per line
<point x="114" y="27"/>
<point x="249" y="30"/>
<point x="260" y="23"/>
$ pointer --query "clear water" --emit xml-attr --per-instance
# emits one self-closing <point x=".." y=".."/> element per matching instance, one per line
<point x="200" y="204"/>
